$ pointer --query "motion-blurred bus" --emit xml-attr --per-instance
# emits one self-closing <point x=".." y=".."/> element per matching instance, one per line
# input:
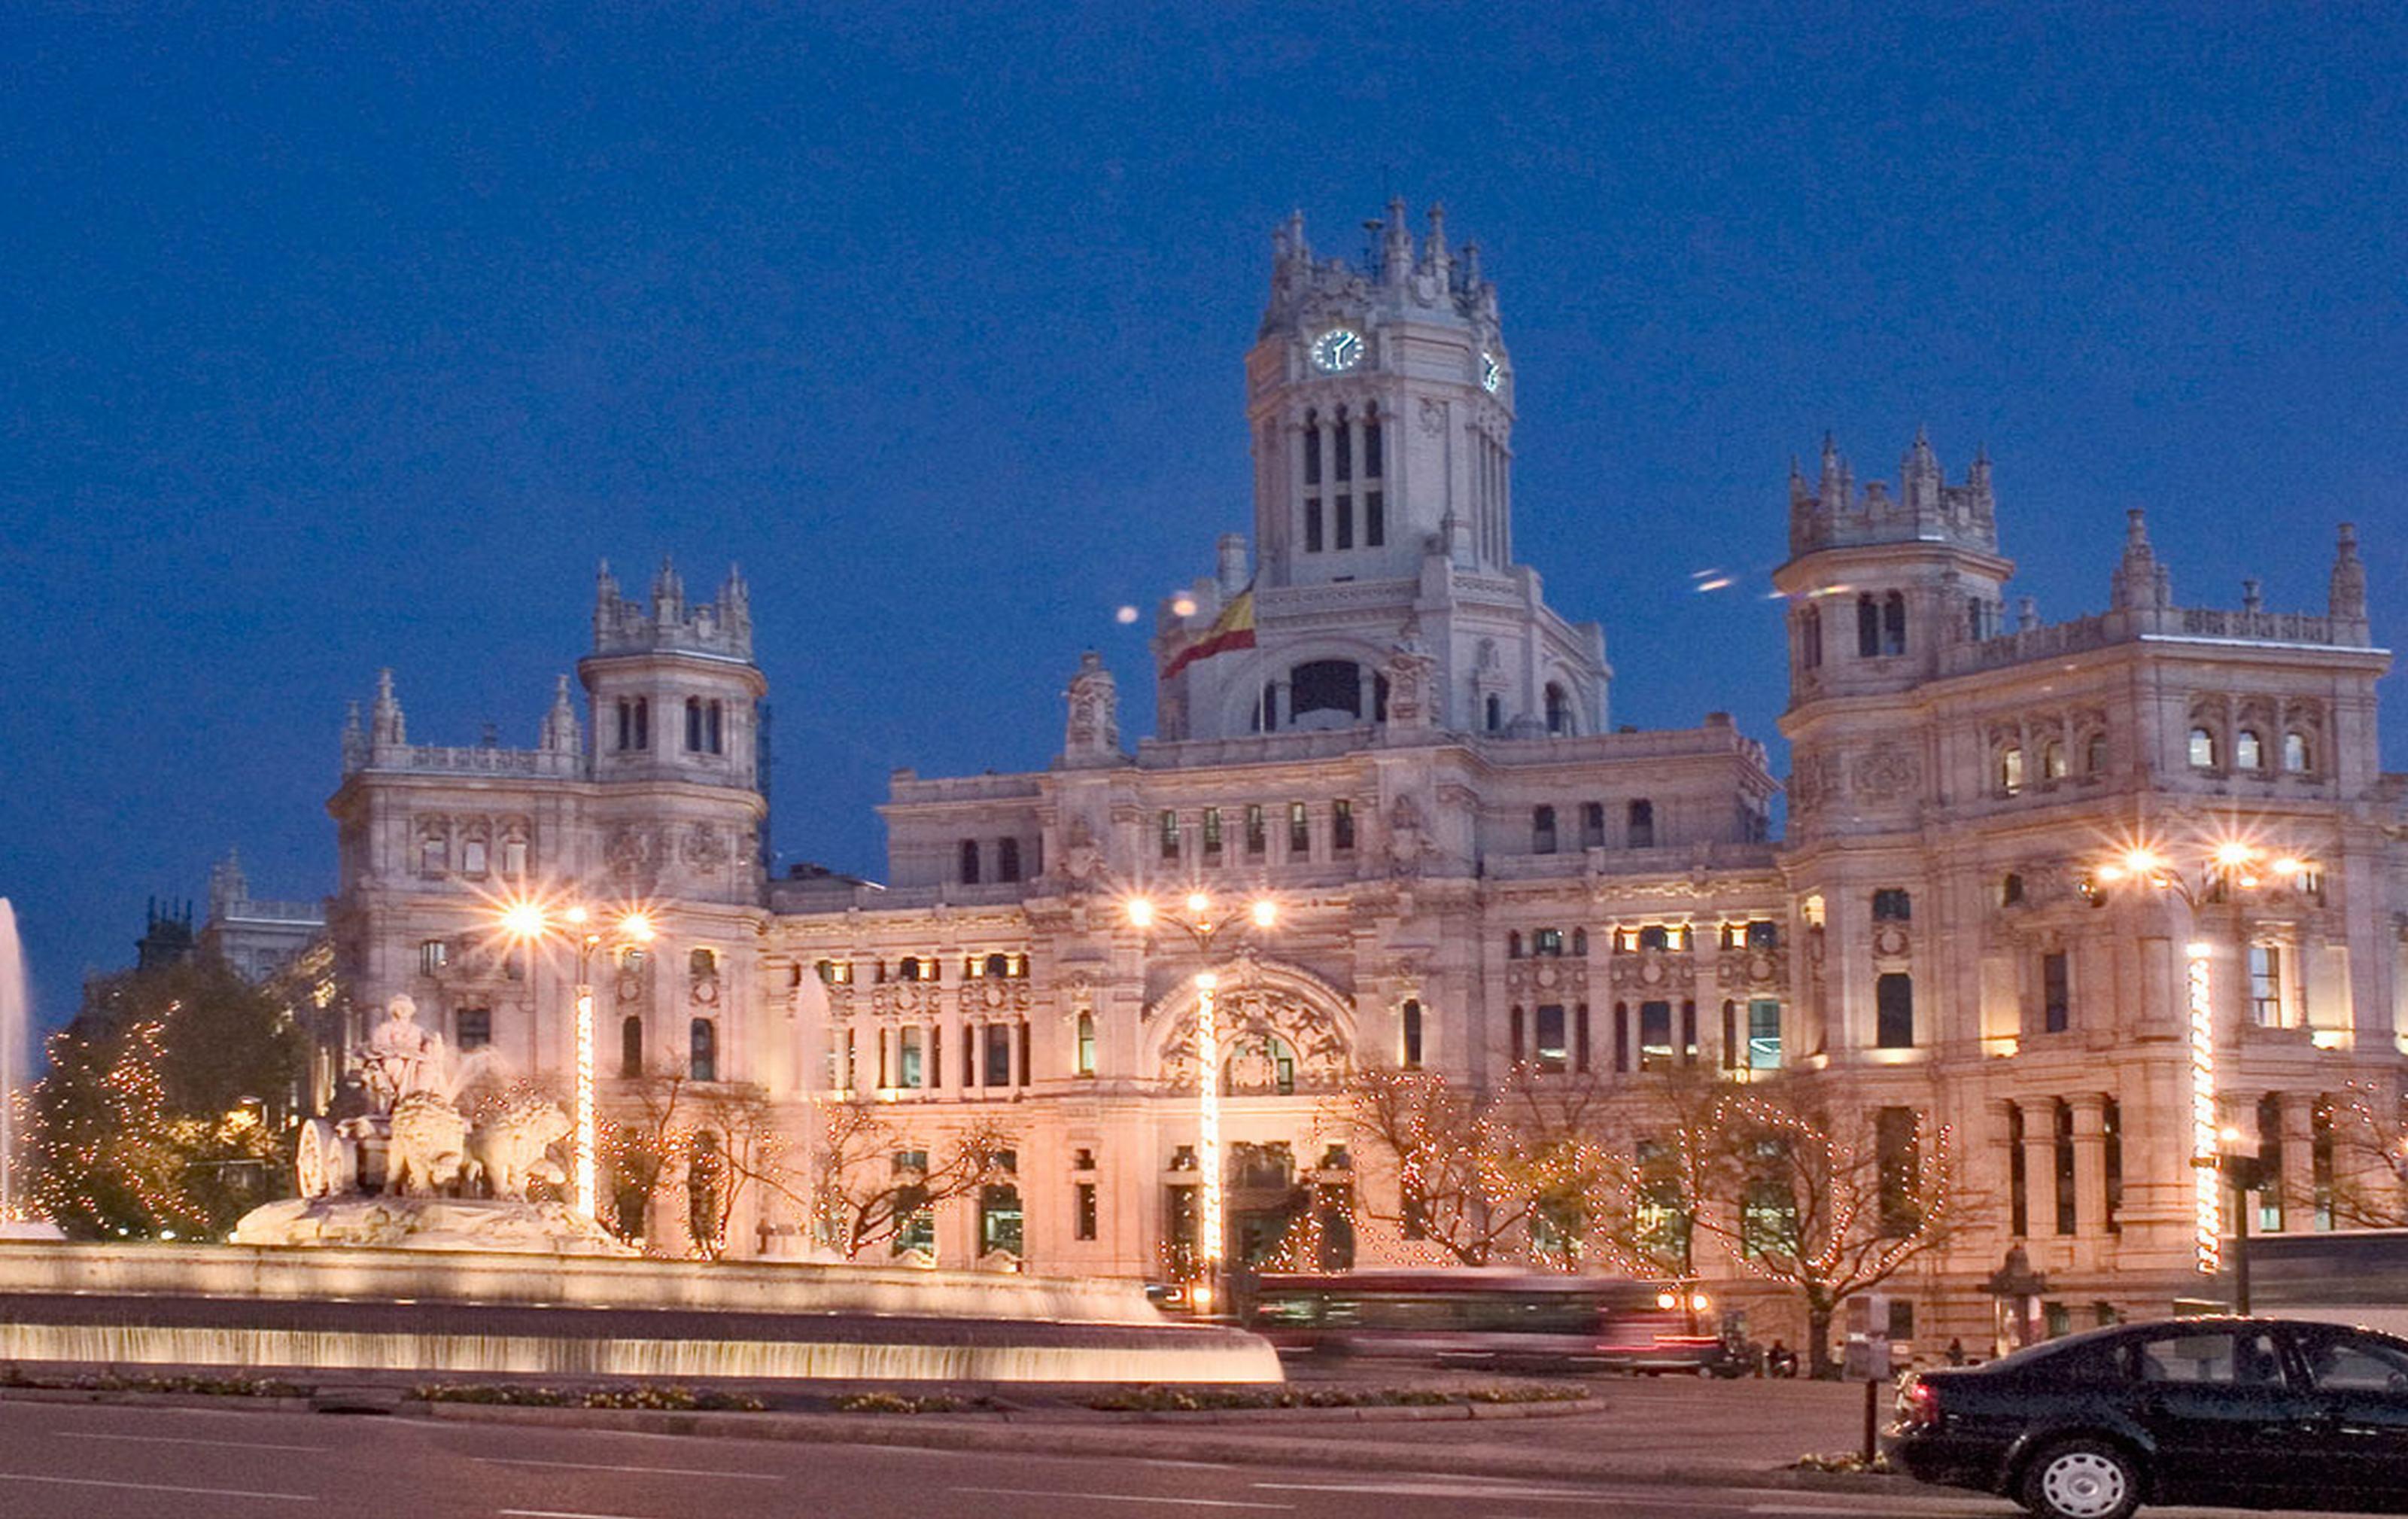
<point x="1498" y="1318"/>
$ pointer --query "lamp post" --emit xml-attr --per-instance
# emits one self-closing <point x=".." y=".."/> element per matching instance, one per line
<point x="530" y="922"/>
<point x="2229" y="867"/>
<point x="1202" y="921"/>
<point x="2245" y="1173"/>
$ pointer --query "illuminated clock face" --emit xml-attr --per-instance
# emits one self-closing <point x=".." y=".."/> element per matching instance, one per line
<point x="1338" y="350"/>
<point x="1492" y="374"/>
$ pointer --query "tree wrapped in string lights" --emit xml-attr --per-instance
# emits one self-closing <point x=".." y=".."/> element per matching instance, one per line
<point x="1800" y="1186"/>
<point x="2365" y="1182"/>
<point x="872" y="1183"/>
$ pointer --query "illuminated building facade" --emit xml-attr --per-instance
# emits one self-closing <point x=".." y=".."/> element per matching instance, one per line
<point x="1371" y="713"/>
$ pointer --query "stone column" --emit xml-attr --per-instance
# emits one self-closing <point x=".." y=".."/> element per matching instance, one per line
<point x="2002" y="1125"/>
<point x="2040" y="1170"/>
<point x="2299" y="1178"/>
<point x="2090" y="1159"/>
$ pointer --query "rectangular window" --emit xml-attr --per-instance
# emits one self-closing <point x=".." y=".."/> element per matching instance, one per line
<point x="1763" y="934"/>
<point x="514" y="857"/>
<point x="2062" y="1153"/>
<point x="1901" y="1319"/>
<point x="1345" y="509"/>
<point x="433" y="955"/>
<point x="2266" y="985"/>
<point x="1542" y="830"/>
<point x="1763" y="1034"/>
<point x="1169" y="831"/>
<point x="1896" y="1159"/>
<point x="1654" y="1035"/>
<point x="1553" y="1052"/>
<point x="1257" y="838"/>
<point x="1312" y="455"/>
<point x="1344" y="438"/>
<point x="970" y="852"/>
<point x="1892" y="904"/>
<point x="998" y="1056"/>
<point x="1548" y="942"/>
<point x="1592" y="825"/>
<point x="2056" y="992"/>
<point x="1212" y="832"/>
<point x="1641" y="830"/>
<point x="472" y="857"/>
<point x="1894" y="1010"/>
<point x="1299" y="831"/>
<point x="935" y="1059"/>
<point x="1007" y="859"/>
<point x="909" y="1069"/>
<point x="473" y="1028"/>
<point x="1341" y="825"/>
<point x="1412" y="1034"/>
<point x="1371" y="447"/>
<point x="1375" y="519"/>
<point x="1312" y="524"/>
<point x="1086" y="1210"/>
<point x="1580" y="1037"/>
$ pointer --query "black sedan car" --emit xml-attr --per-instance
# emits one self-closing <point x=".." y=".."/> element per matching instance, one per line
<point x="2258" y="1413"/>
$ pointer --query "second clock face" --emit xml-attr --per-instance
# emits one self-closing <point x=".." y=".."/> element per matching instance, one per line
<point x="1338" y="350"/>
<point x="1492" y="374"/>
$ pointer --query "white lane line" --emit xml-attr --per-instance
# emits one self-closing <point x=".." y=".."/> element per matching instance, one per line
<point x="1524" y="1495"/>
<point x="662" y="1471"/>
<point x="153" y="1487"/>
<point x="186" y="1439"/>
<point x="555" y="1513"/>
<point x="1127" y="1497"/>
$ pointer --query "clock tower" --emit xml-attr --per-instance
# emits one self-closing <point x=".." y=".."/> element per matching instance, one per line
<point x="1381" y="403"/>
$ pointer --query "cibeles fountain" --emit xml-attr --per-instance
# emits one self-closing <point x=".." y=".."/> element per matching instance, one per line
<point x="427" y="1150"/>
<point x="416" y="1250"/>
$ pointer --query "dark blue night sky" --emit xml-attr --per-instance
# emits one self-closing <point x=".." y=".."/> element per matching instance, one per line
<point x="335" y="339"/>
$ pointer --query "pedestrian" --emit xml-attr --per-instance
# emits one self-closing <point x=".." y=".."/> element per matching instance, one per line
<point x="1956" y="1351"/>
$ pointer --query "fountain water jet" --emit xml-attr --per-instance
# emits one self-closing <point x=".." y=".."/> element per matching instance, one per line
<point x="16" y="1011"/>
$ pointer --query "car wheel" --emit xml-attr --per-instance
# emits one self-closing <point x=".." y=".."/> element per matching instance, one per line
<point x="2082" y="1479"/>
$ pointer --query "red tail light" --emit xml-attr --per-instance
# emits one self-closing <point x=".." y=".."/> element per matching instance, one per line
<point x="1918" y="1403"/>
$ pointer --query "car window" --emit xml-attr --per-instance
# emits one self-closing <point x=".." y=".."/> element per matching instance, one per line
<point x="2218" y="1356"/>
<point x="2346" y="1363"/>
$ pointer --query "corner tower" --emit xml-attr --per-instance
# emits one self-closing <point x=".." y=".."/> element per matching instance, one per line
<point x="673" y="686"/>
<point x="1381" y="403"/>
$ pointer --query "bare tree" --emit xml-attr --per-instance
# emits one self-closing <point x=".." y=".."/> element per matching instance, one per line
<point x="2365" y="1182"/>
<point x="1479" y="1176"/>
<point x="711" y="1143"/>
<point x="1826" y="1201"/>
<point x="869" y="1183"/>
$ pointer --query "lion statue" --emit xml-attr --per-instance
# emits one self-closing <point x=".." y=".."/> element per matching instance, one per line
<point x="509" y="1150"/>
<point x="427" y="1145"/>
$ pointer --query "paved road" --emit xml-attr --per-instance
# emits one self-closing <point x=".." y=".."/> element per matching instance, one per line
<point x="76" y="1461"/>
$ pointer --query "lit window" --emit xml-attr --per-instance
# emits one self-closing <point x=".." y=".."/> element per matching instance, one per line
<point x="1299" y="831"/>
<point x="910" y="1058"/>
<point x="2202" y="749"/>
<point x="2248" y="752"/>
<point x="514" y="857"/>
<point x="472" y="856"/>
<point x="2297" y="757"/>
<point x="1257" y="836"/>
<point x="1086" y="1065"/>
<point x="2011" y="770"/>
<point x="2051" y="762"/>
<point x="2266" y="985"/>
<point x="433" y="955"/>
<point x="1763" y="1034"/>
<point x="1167" y="827"/>
<point x="1212" y="832"/>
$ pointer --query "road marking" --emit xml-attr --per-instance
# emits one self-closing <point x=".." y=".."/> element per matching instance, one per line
<point x="555" y="1513"/>
<point x="153" y="1487"/>
<point x="1126" y="1497"/>
<point x="186" y="1439"/>
<point x="1464" y="1489"/>
<point x="662" y="1471"/>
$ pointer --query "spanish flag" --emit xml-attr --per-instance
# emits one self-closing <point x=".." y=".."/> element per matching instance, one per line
<point x="1234" y="629"/>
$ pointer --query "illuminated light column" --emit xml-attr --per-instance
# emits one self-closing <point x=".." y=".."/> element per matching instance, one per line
<point x="2207" y="1182"/>
<point x="588" y="1124"/>
<point x="1208" y="1124"/>
<point x="530" y="921"/>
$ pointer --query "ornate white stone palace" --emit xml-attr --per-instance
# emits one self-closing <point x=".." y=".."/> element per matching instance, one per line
<point x="1371" y="712"/>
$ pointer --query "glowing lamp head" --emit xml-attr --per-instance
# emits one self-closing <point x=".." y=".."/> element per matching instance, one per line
<point x="523" y="920"/>
<point x="2141" y="862"/>
<point x="2233" y="855"/>
<point x="1206" y="980"/>
<point x="1198" y="903"/>
<point x="2289" y="865"/>
<point x="2109" y="874"/>
<point x="1700" y="1302"/>
<point x="2229" y="1138"/>
<point x="638" y="927"/>
<point x="1265" y="913"/>
<point x="1667" y="1300"/>
<point x="574" y="916"/>
<point x="2198" y="948"/>
<point x="1140" y="912"/>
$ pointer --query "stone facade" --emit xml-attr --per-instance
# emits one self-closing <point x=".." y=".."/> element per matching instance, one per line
<point x="1379" y="720"/>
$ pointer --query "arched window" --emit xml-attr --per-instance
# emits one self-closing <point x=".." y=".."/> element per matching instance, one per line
<point x="1086" y="1037"/>
<point x="2094" y="761"/>
<point x="1559" y="710"/>
<point x="1542" y="830"/>
<point x="1868" y="626"/>
<point x="694" y="725"/>
<point x="1810" y="639"/>
<point x="1325" y="686"/>
<point x="715" y="727"/>
<point x="2011" y="769"/>
<point x="1641" y="833"/>
<point x="1495" y="713"/>
<point x="702" y="963"/>
<point x="2248" y="750"/>
<point x="631" y="1046"/>
<point x="1007" y="859"/>
<point x="2052" y="760"/>
<point x="2010" y="890"/>
<point x="702" y="1052"/>
<point x="1580" y="942"/>
<point x="1894" y="623"/>
<point x="1312" y="447"/>
<point x="1514" y="945"/>
<point x="2298" y="758"/>
<point x="969" y="862"/>
<point x="2202" y="749"/>
<point x="998" y="965"/>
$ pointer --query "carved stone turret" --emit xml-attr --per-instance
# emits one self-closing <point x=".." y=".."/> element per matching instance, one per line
<point x="2348" y="578"/>
<point x="2139" y="581"/>
<point x="561" y="734"/>
<point x="1092" y="737"/>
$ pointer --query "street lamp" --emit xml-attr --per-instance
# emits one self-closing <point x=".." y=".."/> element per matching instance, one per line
<point x="529" y="921"/>
<point x="2245" y="1173"/>
<point x="1201" y="921"/>
<point x="2230" y="865"/>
